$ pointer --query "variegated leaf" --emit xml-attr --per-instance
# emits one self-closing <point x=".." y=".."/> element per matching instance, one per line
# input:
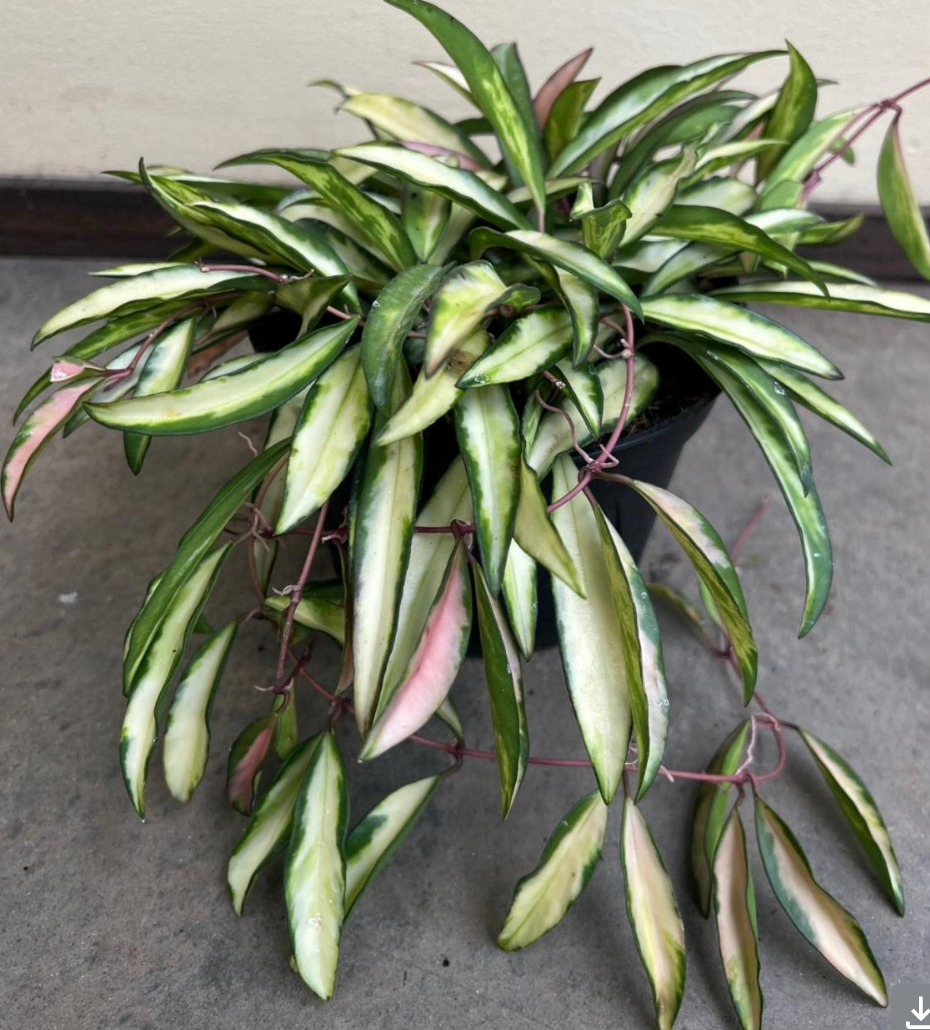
<point x="860" y="298"/>
<point x="530" y="344"/>
<point x="381" y="533"/>
<point x="710" y="810"/>
<point x="220" y="402"/>
<point x="187" y="733"/>
<point x="505" y="691"/>
<point x="708" y="554"/>
<point x="590" y="639"/>
<point x="375" y="838"/>
<point x="747" y="331"/>
<point x="862" y="814"/>
<point x="488" y="433"/>
<point x="520" y="597"/>
<point x="902" y="212"/>
<point x="246" y="757"/>
<point x="433" y="666"/>
<point x="816" y="915"/>
<point x="156" y="667"/>
<point x="542" y="898"/>
<point x="270" y="825"/>
<point x="654" y="916"/>
<point x="315" y="871"/>
<point x="735" y="907"/>
<point x="334" y="422"/>
<point x="432" y="397"/>
<point x="460" y="303"/>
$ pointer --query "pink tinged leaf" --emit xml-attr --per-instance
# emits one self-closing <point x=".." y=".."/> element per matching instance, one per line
<point x="432" y="150"/>
<point x="35" y="433"/>
<point x="434" y="665"/>
<point x="69" y="368"/>
<point x="553" y="87"/>
<point x="245" y="758"/>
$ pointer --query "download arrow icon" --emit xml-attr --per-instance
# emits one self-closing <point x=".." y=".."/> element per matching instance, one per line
<point x="920" y="1012"/>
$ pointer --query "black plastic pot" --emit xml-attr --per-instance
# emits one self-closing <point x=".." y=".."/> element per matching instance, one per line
<point x="650" y="452"/>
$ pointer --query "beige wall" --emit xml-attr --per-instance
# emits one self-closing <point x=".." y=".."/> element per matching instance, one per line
<point x="93" y="84"/>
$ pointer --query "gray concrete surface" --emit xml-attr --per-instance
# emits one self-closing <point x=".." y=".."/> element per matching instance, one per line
<point x="111" y="923"/>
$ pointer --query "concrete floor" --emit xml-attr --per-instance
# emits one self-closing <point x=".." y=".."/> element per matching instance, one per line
<point x="111" y="923"/>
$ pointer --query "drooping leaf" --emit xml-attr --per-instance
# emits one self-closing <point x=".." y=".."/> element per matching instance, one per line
<point x="432" y="397"/>
<point x="815" y="914"/>
<point x="735" y="907"/>
<point x="270" y="825"/>
<point x="187" y="733"/>
<point x="505" y="691"/>
<point x="488" y="433"/>
<point x="246" y="757"/>
<point x="590" y="639"/>
<point x="163" y="370"/>
<point x="376" y="837"/>
<point x="583" y="305"/>
<point x="398" y="307"/>
<point x="805" y="508"/>
<point x="286" y="733"/>
<point x="383" y="524"/>
<point x="220" y="402"/>
<point x="642" y="652"/>
<point x="530" y="344"/>
<point x="379" y="227"/>
<point x="489" y="90"/>
<point x="155" y="670"/>
<point x="542" y="897"/>
<point x="571" y="257"/>
<point x="709" y="556"/>
<point x="331" y="428"/>
<point x="520" y="597"/>
<point x="194" y="546"/>
<point x="36" y="432"/>
<point x="710" y="811"/>
<point x="583" y="386"/>
<point x="315" y="870"/>
<point x="460" y="186"/>
<point x="271" y="492"/>
<point x="654" y="916"/>
<point x="460" y="303"/>
<point x="536" y="534"/>
<point x="429" y="557"/>
<point x="745" y="330"/>
<point x="767" y="394"/>
<point x="861" y="813"/>
<point x="902" y="212"/>
<point x="434" y="665"/>
<point x="856" y="297"/>
<point x="811" y="396"/>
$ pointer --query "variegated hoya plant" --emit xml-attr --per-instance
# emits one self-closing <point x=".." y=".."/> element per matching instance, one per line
<point x="505" y="276"/>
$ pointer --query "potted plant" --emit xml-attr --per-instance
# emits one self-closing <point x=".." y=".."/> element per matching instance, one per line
<point x="480" y="345"/>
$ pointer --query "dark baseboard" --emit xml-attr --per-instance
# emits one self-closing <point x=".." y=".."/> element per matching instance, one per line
<point x="108" y="219"/>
